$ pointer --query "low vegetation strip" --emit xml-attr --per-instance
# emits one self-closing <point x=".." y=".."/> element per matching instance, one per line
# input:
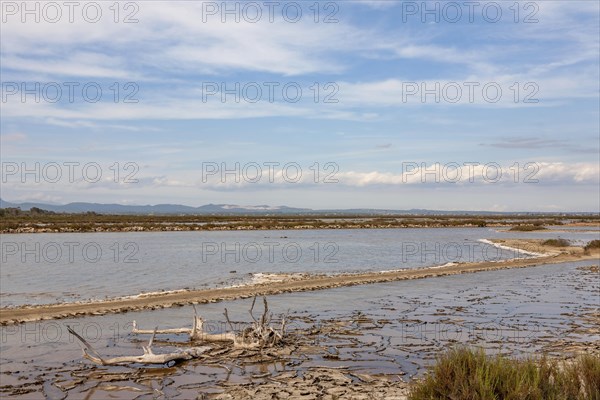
<point x="40" y="221"/>
<point x="464" y="373"/>
<point x="593" y="245"/>
<point x="527" y="228"/>
<point x="557" y="242"/>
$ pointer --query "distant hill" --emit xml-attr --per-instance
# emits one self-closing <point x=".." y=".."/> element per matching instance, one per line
<point x="156" y="209"/>
<point x="229" y="209"/>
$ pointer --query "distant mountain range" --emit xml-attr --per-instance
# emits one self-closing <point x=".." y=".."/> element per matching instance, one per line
<point x="229" y="209"/>
<point x="155" y="209"/>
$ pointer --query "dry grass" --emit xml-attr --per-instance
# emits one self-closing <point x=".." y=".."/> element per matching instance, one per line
<point x="556" y="242"/>
<point x="594" y="244"/>
<point x="25" y="221"/>
<point x="469" y="374"/>
<point x="527" y="228"/>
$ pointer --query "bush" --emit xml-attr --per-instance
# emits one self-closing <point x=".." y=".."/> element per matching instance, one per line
<point x="470" y="374"/>
<point x="594" y="244"/>
<point x="556" y="242"/>
<point x="527" y="228"/>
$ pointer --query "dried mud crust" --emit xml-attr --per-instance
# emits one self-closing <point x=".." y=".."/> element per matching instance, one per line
<point x="292" y="369"/>
<point x="346" y="356"/>
<point x="295" y="369"/>
<point x="321" y="383"/>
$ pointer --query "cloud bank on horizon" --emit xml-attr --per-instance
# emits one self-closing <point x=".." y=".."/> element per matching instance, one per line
<point x="331" y="104"/>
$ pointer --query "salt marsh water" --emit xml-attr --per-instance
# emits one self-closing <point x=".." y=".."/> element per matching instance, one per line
<point x="62" y="267"/>
<point x="396" y="328"/>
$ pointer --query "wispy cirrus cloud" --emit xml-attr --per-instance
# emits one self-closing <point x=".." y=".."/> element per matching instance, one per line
<point x="369" y="53"/>
<point x="529" y="142"/>
<point x="13" y="137"/>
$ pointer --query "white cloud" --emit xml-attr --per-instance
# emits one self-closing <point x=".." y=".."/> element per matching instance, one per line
<point x="78" y="64"/>
<point x="460" y="173"/>
<point x="377" y="4"/>
<point x="171" y="44"/>
<point x="430" y="173"/>
<point x="172" y="37"/>
<point x="491" y="90"/>
<point x="13" y="137"/>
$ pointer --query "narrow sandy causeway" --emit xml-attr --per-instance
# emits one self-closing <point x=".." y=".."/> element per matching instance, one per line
<point x="551" y="255"/>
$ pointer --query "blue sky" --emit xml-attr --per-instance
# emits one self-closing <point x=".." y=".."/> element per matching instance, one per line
<point x="374" y="59"/>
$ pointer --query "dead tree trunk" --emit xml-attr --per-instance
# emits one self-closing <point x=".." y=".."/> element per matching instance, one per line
<point x="147" y="358"/>
<point x="260" y="334"/>
<point x="195" y="333"/>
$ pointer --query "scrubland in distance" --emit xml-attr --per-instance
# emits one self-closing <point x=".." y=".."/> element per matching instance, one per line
<point x="527" y="228"/>
<point x="556" y="242"/>
<point x="17" y="221"/>
<point x="594" y="244"/>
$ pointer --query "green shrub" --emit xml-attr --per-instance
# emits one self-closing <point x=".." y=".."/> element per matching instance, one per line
<point x="556" y="242"/>
<point x="470" y="374"/>
<point x="594" y="244"/>
<point x="527" y="228"/>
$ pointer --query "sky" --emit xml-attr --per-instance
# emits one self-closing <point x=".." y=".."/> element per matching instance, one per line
<point x="332" y="104"/>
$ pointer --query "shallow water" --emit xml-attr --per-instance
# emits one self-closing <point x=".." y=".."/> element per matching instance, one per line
<point x="63" y="267"/>
<point x="396" y="328"/>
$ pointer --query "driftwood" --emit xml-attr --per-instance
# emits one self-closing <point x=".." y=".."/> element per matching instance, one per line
<point x="147" y="358"/>
<point x="259" y="335"/>
<point x="195" y="333"/>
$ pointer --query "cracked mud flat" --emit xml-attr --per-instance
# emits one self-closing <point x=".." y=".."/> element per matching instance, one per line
<point x="333" y="349"/>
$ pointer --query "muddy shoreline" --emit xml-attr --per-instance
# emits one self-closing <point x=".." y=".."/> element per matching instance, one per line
<point x="360" y="342"/>
<point x="552" y="255"/>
